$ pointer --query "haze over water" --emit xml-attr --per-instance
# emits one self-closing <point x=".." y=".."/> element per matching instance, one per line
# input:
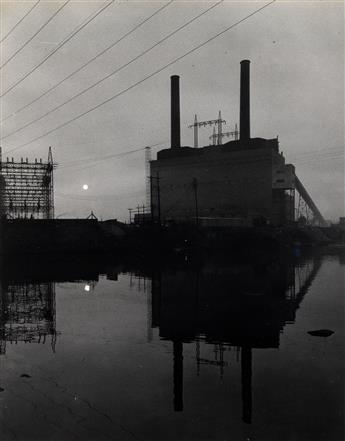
<point x="189" y="350"/>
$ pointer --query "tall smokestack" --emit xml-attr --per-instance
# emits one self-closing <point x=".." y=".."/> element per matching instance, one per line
<point x="175" y="112"/>
<point x="245" y="100"/>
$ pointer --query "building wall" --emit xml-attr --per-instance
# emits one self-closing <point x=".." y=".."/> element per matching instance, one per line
<point x="2" y="194"/>
<point x="223" y="181"/>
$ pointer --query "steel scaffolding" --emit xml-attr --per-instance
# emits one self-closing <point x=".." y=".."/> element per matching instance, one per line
<point x="27" y="188"/>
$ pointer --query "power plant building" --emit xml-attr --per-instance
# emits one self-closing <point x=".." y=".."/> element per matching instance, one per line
<point x="241" y="182"/>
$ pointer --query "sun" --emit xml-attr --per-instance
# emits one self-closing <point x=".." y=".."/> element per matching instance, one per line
<point x="85" y="187"/>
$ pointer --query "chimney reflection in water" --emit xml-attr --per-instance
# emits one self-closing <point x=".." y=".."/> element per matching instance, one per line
<point x="240" y="306"/>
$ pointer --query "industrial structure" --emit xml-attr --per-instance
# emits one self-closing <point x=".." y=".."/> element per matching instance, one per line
<point x="27" y="313"/>
<point x="27" y="188"/>
<point x="242" y="182"/>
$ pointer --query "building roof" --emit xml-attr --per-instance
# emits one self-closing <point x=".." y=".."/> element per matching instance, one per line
<point x="231" y="146"/>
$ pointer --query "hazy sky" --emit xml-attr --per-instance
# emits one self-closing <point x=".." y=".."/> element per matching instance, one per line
<point x="296" y="50"/>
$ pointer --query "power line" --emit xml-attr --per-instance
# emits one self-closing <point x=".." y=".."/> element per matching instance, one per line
<point x="313" y="152"/>
<point x="34" y="35"/>
<point x="327" y="154"/>
<point x="143" y="79"/>
<point x="89" y="19"/>
<point x="319" y="153"/>
<point x="112" y="45"/>
<point x="320" y="158"/>
<point x="93" y="161"/>
<point x="113" y="72"/>
<point x="101" y="196"/>
<point x="90" y="162"/>
<point x="18" y="23"/>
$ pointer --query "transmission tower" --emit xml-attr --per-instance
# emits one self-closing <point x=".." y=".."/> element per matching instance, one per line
<point x="215" y="137"/>
<point x="213" y="122"/>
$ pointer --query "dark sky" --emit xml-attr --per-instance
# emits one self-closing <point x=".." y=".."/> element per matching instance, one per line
<point x="296" y="50"/>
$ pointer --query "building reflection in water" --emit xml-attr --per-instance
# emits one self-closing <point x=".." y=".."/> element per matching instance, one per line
<point x="234" y="307"/>
<point x="237" y="307"/>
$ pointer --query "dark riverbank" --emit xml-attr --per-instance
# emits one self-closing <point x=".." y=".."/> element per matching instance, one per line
<point x="93" y="236"/>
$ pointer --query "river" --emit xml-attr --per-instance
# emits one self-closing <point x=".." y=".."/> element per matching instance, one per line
<point x="207" y="349"/>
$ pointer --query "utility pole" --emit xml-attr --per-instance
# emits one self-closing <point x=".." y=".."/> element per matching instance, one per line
<point x="151" y="201"/>
<point x="130" y="214"/>
<point x="147" y="172"/>
<point x="159" y="199"/>
<point x="50" y="198"/>
<point x="157" y="178"/>
<point x="196" y="132"/>
<point x="195" y="187"/>
<point x="138" y="211"/>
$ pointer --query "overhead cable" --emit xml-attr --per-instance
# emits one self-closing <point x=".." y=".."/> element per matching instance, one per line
<point x="94" y="161"/>
<point x="117" y="70"/>
<point x="111" y="46"/>
<point x="88" y="20"/>
<point x="132" y="194"/>
<point x="137" y="83"/>
<point x="35" y="34"/>
<point x="82" y="164"/>
<point x="315" y="153"/>
<point x="20" y="21"/>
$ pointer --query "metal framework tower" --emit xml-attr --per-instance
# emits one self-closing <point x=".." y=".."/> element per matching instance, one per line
<point x="27" y="188"/>
<point x="213" y="122"/>
<point x="215" y="137"/>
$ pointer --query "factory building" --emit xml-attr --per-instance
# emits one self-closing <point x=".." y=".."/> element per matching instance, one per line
<point x="241" y="182"/>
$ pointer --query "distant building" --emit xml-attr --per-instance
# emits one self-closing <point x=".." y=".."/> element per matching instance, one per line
<point x="242" y="182"/>
<point x="247" y="180"/>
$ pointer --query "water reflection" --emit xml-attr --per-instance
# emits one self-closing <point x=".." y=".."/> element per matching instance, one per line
<point x="231" y="306"/>
<point x="27" y="297"/>
<point x="204" y="320"/>
<point x="27" y="313"/>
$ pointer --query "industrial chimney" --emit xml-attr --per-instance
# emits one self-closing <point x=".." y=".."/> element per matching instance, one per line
<point x="245" y="101"/>
<point x="175" y="112"/>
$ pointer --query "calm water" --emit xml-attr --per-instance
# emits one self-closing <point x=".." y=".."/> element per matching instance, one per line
<point x="207" y="350"/>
